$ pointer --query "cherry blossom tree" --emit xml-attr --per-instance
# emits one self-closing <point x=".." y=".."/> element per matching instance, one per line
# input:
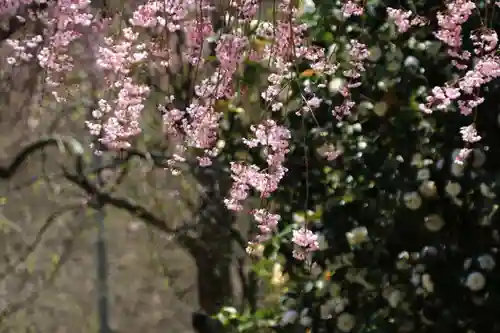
<point x="216" y="46"/>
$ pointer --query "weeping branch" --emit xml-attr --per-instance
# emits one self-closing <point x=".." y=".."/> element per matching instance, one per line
<point x="68" y="244"/>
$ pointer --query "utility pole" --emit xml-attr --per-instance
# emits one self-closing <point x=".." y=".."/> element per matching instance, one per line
<point x="97" y="203"/>
<point x="101" y="250"/>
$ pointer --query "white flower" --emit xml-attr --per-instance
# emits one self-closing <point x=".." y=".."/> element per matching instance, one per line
<point x="423" y="174"/>
<point x="457" y="170"/>
<point x="433" y="222"/>
<point x="256" y="250"/>
<point x="277" y="277"/>
<point x="412" y="200"/>
<point x="339" y="304"/>
<point x="362" y="145"/>
<point x="298" y="218"/>
<point x="375" y="53"/>
<point x="475" y="281"/>
<point x="404" y="255"/>
<point x="428" y="189"/>
<point x="453" y="189"/>
<point x="357" y="127"/>
<point x="336" y="85"/>
<point x="323" y="244"/>
<point x="427" y="283"/>
<point x="357" y="236"/>
<point x="429" y="251"/>
<point x="485" y="191"/>
<point x="411" y="61"/>
<point x="289" y="317"/>
<point x="380" y="108"/>
<point x="254" y="24"/>
<point x="327" y="309"/>
<point x="306" y="321"/>
<point x="220" y="144"/>
<point x="346" y="322"/>
<point x="309" y="6"/>
<point x="467" y="263"/>
<point x="394" y="298"/>
<point x="415" y="279"/>
<point x="320" y="284"/>
<point x="365" y="106"/>
<point x="486" y="262"/>
<point x="417" y="160"/>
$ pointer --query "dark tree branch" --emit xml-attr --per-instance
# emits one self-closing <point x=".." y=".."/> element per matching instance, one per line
<point x="80" y="178"/>
<point x="123" y="203"/>
<point x="33" y="245"/>
<point x="203" y="323"/>
<point x="68" y="244"/>
<point x="21" y="157"/>
<point x="250" y="285"/>
<point x="18" y="20"/>
<point x="14" y="25"/>
<point x="83" y="182"/>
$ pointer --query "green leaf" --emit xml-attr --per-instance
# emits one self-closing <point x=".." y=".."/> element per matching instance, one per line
<point x="245" y="326"/>
<point x="55" y="258"/>
<point x="328" y="37"/>
<point x="166" y="283"/>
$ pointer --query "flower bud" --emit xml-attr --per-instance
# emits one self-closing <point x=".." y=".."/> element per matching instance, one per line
<point x="428" y="189"/>
<point x="433" y="222"/>
<point x="346" y="322"/>
<point x="486" y="262"/>
<point x="357" y="236"/>
<point x="412" y="200"/>
<point x="475" y="281"/>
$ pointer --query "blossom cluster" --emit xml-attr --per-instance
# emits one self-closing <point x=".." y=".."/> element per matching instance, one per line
<point x="274" y="140"/>
<point x="145" y="41"/>
<point x="117" y="119"/>
<point x="485" y="67"/>
<point x="404" y="20"/>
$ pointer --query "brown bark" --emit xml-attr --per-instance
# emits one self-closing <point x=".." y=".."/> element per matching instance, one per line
<point x="214" y="252"/>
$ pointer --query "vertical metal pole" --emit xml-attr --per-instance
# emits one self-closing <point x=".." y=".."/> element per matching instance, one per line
<point x="101" y="253"/>
<point x="97" y="163"/>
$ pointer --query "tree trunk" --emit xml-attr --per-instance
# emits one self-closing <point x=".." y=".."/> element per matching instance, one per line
<point x="213" y="252"/>
<point x="215" y="288"/>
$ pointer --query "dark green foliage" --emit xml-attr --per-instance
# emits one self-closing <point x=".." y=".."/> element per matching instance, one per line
<point x="366" y="188"/>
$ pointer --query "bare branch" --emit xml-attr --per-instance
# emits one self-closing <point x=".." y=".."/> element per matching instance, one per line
<point x="123" y="203"/>
<point x="68" y="243"/>
<point x="9" y="170"/>
<point x="17" y="21"/>
<point x="32" y="247"/>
